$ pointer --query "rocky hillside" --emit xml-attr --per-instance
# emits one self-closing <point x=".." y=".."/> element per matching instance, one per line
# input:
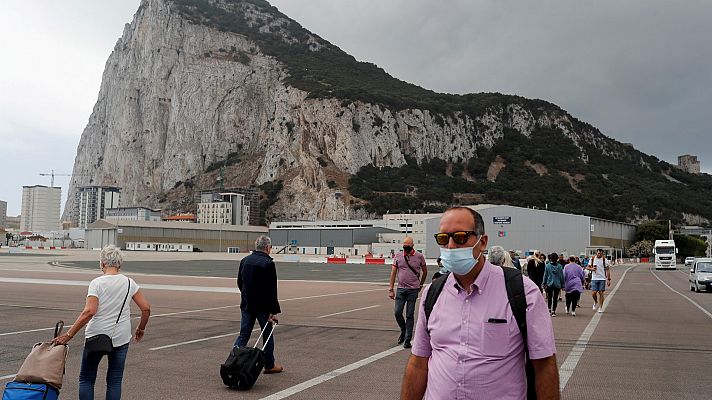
<point x="201" y="90"/>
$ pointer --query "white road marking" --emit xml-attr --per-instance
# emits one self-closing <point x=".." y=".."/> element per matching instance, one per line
<point x="331" y="375"/>
<point x="344" y="312"/>
<point x="687" y="298"/>
<point x="569" y="365"/>
<point x="194" y="341"/>
<point x="31" y="330"/>
<point x="2" y="378"/>
<point x="62" y="282"/>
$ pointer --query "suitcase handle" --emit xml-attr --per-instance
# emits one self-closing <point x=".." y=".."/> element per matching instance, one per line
<point x="264" y="344"/>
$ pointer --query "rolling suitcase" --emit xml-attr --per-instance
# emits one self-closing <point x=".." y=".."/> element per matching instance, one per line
<point x="29" y="391"/>
<point x="244" y="364"/>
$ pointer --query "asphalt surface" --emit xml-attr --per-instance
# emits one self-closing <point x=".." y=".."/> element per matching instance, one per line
<point x="228" y="269"/>
<point x="652" y="341"/>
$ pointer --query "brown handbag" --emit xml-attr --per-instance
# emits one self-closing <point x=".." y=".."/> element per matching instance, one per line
<point x="45" y="363"/>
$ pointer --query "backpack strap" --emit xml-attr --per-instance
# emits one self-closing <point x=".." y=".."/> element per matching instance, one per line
<point x="436" y="287"/>
<point x="514" y="282"/>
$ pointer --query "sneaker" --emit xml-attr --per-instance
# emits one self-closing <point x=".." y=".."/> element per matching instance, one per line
<point x="600" y="311"/>
<point x="553" y="314"/>
<point x="595" y="306"/>
<point x="567" y="310"/>
<point x="274" y="370"/>
<point x="401" y="338"/>
<point x="573" y="313"/>
<point x="407" y="345"/>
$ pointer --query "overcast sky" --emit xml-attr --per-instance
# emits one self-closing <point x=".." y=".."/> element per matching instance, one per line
<point x="639" y="71"/>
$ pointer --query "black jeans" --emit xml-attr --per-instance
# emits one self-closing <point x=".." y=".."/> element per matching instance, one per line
<point x="572" y="300"/>
<point x="552" y="297"/>
<point x="247" y="322"/>
<point x="407" y="298"/>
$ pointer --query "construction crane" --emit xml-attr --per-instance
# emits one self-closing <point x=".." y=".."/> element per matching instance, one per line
<point x="52" y="175"/>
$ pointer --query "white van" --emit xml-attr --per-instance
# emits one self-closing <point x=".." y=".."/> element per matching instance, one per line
<point x="701" y="275"/>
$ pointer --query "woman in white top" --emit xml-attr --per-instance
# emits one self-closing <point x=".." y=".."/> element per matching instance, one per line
<point x="105" y="304"/>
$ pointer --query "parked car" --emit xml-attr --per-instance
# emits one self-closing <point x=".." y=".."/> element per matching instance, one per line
<point x="689" y="261"/>
<point x="701" y="275"/>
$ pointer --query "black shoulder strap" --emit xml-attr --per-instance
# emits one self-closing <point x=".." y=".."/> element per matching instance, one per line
<point x="124" y="303"/>
<point x="407" y="262"/>
<point x="514" y="282"/>
<point x="433" y="293"/>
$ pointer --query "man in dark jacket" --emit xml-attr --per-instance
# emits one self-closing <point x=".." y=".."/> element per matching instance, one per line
<point x="257" y="281"/>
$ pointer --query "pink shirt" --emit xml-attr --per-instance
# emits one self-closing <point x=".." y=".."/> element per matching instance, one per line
<point x="406" y="278"/>
<point x="471" y="358"/>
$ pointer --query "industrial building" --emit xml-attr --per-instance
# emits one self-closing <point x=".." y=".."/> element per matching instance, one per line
<point x="204" y="237"/>
<point x="526" y="229"/>
<point x="516" y="228"/>
<point x="91" y="203"/>
<point x="40" y="208"/>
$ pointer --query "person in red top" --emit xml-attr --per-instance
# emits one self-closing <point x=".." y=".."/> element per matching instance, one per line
<point x="410" y="267"/>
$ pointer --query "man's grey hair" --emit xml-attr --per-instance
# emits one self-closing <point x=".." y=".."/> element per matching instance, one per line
<point x="479" y="227"/>
<point x="262" y="243"/>
<point x="111" y="256"/>
<point x="499" y="256"/>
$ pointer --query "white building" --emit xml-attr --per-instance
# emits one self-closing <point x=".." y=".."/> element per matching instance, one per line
<point x="3" y="214"/>
<point x="223" y="208"/>
<point x="91" y="203"/>
<point x="40" y="208"/>
<point x="132" y="214"/>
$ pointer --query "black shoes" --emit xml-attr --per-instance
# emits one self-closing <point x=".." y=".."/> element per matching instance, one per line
<point x="407" y="344"/>
<point x="401" y="338"/>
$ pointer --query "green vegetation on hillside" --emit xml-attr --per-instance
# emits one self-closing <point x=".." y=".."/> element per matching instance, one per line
<point x="330" y="72"/>
<point x="610" y="188"/>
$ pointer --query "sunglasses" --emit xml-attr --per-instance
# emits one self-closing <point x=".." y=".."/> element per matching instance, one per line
<point x="459" y="237"/>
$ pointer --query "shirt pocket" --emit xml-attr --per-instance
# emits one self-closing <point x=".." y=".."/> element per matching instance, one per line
<point x="495" y="339"/>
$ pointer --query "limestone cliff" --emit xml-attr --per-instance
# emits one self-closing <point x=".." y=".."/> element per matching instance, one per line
<point x="179" y="95"/>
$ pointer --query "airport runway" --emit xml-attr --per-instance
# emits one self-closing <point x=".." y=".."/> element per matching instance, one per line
<point x="337" y="334"/>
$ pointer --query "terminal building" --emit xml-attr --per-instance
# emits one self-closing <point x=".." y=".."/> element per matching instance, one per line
<point x="521" y="229"/>
<point x="132" y="214"/>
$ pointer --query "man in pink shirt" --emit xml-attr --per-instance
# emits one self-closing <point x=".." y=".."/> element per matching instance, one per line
<point x="410" y="268"/>
<point x="471" y="346"/>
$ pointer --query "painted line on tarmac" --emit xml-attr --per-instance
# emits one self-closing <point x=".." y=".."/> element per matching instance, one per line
<point x="569" y="365"/>
<point x="344" y="312"/>
<point x="62" y="282"/>
<point x="331" y="375"/>
<point x="687" y="298"/>
<point x="30" y="331"/>
<point x="2" y="378"/>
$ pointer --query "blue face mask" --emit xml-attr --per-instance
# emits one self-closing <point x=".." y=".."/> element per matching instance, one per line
<point x="459" y="261"/>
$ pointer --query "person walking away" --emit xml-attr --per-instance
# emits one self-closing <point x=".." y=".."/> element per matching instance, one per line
<point x="535" y="269"/>
<point x="470" y="329"/>
<point x="409" y="266"/>
<point x="515" y="260"/>
<point x="107" y="313"/>
<point x="553" y="282"/>
<point x="257" y="281"/>
<point x="497" y="256"/>
<point x="574" y="278"/>
<point x="600" y="278"/>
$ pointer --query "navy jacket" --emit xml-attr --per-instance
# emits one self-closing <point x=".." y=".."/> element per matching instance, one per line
<point x="257" y="280"/>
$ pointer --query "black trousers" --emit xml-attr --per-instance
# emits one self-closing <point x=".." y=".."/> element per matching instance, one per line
<point x="552" y="297"/>
<point x="572" y="300"/>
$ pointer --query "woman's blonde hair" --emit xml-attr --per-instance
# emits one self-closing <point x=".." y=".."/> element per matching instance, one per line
<point x="111" y="256"/>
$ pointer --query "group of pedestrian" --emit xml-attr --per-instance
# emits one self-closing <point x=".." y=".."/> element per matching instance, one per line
<point x="484" y="314"/>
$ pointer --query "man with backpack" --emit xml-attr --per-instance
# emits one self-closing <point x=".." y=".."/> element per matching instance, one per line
<point x="480" y="326"/>
<point x="410" y="268"/>
<point x="600" y="278"/>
